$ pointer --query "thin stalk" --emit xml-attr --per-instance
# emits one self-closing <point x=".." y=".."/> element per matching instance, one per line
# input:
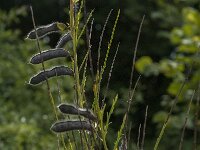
<point x="110" y="74"/>
<point x="101" y="38"/>
<point x="134" y="56"/>
<point x="61" y="101"/>
<point x="138" y="137"/>
<point x="186" y="119"/>
<point x="97" y="109"/>
<point x="128" y="109"/>
<point x="43" y="67"/>
<point x="83" y="80"/>
<point x="129" y="134"/>
<point x="172" y="108"/>
<point x="78" y="95"/>
<point x="144" y="128"/>
<point x="100" y="74"/>
<point x="88" y="37"/>
<point x="131" y="76"/>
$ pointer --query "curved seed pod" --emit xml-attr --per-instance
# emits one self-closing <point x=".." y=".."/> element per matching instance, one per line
<point x="44" y="30"/>
<point x="49" y="54"/>
<point x="56" y="71"/>
<point x="64" y="126"/>
<point x="63" y="40"/>
<point x="70" y="109"/>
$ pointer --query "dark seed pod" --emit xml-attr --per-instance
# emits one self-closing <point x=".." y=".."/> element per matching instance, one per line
<point x="70" y="109"/>
<point x="44" y="30"/>
<point x="56" y="71"/>
<point x="63" y="40"/>
<point x="49" y="54"/>
<point x="64" y="126"/>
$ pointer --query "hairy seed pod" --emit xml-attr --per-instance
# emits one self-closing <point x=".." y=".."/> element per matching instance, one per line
<point x="44" y="30"/>
<point x="49" y="54"/>
<point x="70" y="109"/>
<point x="63" y="40"/>
<point x="56" y="71"/>
<point x="63" y="126"/>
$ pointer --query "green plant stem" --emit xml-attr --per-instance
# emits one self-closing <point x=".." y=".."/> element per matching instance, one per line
<point x="74" y="39"/>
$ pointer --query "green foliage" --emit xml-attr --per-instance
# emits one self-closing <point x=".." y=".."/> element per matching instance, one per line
<point x="185" y="38"/>
<point x="169" y="43"/>
<point x="24" y="125"/>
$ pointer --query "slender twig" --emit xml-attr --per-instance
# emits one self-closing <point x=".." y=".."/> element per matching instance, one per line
<point x="196" y="118"/>
<point x="138" y="137"/>
<point x="144" y="128"/>
<point x="134" y="56"/>
<point x="186" y="119"/>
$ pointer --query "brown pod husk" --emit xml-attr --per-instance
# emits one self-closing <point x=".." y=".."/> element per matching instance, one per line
<point x="70" y="109"/>
<point x="63" y="126"/>
<point x="49" y="54"/>
<point x="44" y="30"/>
<point x="56" y="71"/>
<point x="63" y="40"/>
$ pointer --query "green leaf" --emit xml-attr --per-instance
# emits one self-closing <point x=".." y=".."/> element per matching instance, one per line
<point x="142" y="63"/>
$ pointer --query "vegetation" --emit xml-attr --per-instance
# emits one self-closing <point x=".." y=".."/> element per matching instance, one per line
<point x="167" y="60"/>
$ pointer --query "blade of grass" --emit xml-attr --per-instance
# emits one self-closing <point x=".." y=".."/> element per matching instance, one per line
<point x="120" y="132"/>
<point x="110" y="112"/>
<point x="84" y="27"/>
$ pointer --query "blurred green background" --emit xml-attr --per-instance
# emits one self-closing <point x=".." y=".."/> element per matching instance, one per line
<point x="168" y="46"/>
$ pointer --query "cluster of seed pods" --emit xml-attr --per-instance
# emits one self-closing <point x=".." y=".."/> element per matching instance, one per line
<point x="58" y="52"/>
